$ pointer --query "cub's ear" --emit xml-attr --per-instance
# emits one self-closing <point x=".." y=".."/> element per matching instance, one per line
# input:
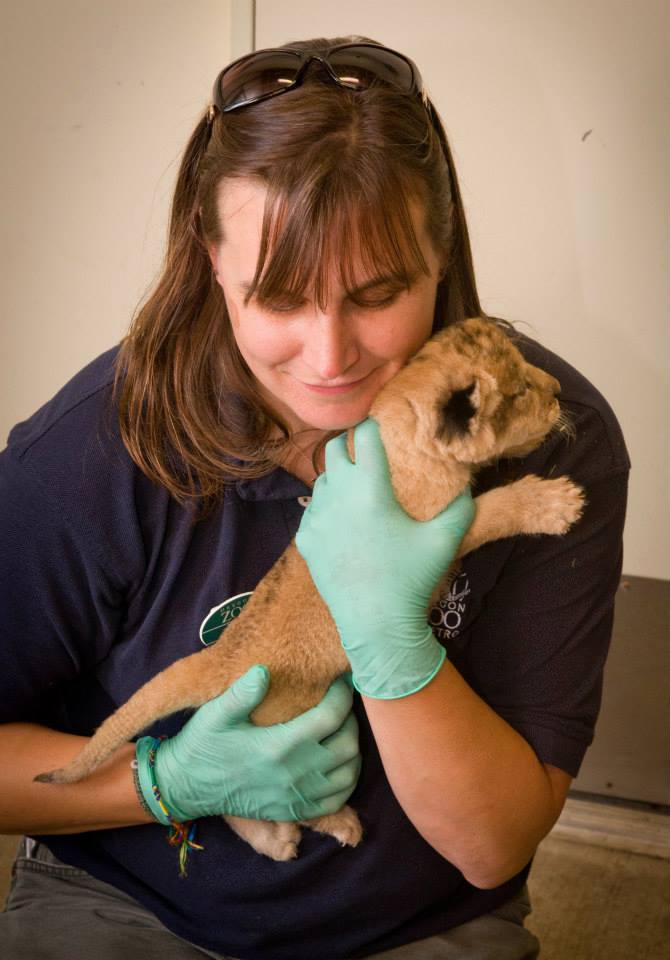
<point x="460" y="412"/>
<point x="455" y="413"/>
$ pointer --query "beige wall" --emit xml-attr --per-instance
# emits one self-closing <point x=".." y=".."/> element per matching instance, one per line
<point x="557" y="115"/>
<point x="569" y="227"/>
<point x="98" y="102"/>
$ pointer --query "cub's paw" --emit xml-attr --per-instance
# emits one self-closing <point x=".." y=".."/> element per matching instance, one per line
<point x="343" y="825"/>
<point x="279" y="841"/>
<point x="549" y="506"/>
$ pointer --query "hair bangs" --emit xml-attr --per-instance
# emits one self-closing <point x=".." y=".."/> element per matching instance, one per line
<point x="353" y="231"/>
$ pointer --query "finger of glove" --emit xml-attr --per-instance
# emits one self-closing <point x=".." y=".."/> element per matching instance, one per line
<point x="371" y="455"/>
<point x="457" y="515"/>
<point x="305" y="530"/>
<point x="318" y="488"/>
<point x="331" y="804"/>
<point x="238" y="701"/>
<point x="326" y="717"/>
<point x="337" y="456"/>
<point x="343" y="744"/>
<point x="342" y="779"/>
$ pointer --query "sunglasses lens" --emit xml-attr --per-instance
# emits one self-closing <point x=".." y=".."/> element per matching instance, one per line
<point x="356" y="66"/>
<point x="257" y="76"/>
<point x="359" y="67"/>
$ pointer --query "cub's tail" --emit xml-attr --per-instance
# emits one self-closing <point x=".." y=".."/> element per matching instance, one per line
<point x="189" y="682"/>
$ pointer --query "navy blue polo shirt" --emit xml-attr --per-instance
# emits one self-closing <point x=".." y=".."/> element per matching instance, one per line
<point x="105" y="580"/>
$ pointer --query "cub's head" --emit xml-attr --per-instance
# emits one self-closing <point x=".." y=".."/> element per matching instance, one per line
<point x="470" y="394"/>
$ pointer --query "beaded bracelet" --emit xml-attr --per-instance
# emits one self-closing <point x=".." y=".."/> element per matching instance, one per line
<point x="134" y="766"/>
<point x="145" y="754"/>
<point x="181" y="835"/>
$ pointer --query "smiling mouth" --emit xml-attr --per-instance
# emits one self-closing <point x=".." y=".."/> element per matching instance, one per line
<point x="334" y="388"/>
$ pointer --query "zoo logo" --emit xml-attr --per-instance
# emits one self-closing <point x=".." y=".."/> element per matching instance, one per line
<point x="220" y="617"/>
<point x="446" y="617"/>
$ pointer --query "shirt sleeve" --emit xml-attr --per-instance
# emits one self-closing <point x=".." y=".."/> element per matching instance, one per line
<point x="59" y="608"/>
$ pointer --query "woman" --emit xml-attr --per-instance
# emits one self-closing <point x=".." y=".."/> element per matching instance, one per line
<point x="317" y="239"/>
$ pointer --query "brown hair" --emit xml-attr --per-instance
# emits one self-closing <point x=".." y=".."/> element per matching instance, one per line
<point x="191" y="415"/>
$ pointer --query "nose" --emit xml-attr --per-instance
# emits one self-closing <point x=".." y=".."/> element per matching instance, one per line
<point x="545" y="381"/>
<point x="330" y="348"/>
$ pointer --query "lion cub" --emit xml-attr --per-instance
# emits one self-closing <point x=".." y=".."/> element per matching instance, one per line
<point x="466" y="398"/>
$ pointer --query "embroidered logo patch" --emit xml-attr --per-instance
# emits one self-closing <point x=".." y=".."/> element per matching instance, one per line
<point x="219" y="617"/>
<point x="446" y="617"/>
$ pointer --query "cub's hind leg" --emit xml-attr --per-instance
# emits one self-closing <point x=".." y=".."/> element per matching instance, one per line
<point x="279" y="841"/>
<point x="343" y="825"/>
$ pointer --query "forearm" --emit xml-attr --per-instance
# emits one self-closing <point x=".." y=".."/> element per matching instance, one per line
<point x="470" y="784"/>
<point x="106" y="799"/>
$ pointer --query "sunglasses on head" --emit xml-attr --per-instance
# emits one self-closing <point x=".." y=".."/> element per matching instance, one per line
<point x="271" y="72"/>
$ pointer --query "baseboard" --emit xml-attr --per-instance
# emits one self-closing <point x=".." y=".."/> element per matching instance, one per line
<point x="614" y="826"/>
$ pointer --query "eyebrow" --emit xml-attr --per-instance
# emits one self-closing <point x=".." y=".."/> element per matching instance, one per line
<point x="246" y="285"/>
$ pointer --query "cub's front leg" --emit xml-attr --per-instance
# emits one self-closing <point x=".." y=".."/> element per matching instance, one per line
<point x="530" y="505"/>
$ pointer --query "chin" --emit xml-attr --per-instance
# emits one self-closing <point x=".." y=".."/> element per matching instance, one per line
<point x="522" y="450"/>
<point x="333" y="416"/>
<point x="334" y="422"/>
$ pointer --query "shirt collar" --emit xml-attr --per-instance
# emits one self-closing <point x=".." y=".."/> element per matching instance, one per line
<point x="278" y="485"/>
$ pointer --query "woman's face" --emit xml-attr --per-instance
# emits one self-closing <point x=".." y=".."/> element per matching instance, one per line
<point x="319" y="368"/>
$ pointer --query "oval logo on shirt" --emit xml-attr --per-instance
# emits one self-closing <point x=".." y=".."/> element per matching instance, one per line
<point x="446" y="616"/>
<point x="219" y="617"/>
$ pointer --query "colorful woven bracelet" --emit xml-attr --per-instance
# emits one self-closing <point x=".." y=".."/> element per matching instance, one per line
<point x="181" y="835"/>
<point x="145" y="754"/>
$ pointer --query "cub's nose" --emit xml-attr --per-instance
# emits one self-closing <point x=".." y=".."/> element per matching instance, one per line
<point x="550" y="384"/>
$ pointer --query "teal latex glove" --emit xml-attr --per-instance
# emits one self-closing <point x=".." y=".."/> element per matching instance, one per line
<point x="221" y="763"/>
<point x="376" y="567"/>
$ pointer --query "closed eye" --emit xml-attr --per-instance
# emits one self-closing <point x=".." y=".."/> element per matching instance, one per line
<point x="365" y="303"/>
<point x="284" y="307"/>
<point x="376" y="304"/>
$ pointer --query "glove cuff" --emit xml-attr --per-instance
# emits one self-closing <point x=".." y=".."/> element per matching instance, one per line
<point x="400" y="680"/>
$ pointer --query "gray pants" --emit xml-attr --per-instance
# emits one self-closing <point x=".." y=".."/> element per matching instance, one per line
<point x="55" y="912"/>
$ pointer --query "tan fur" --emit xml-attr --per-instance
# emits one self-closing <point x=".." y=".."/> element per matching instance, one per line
<point x="286" y="625"/>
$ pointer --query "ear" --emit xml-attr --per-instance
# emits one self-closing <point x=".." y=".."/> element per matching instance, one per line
<point x="460" y="413"/>
<point x="213" y="254"/>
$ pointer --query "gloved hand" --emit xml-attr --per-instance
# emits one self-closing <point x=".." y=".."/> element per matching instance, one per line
<point x="376" y="567"/>
<point x="221" y="763"/>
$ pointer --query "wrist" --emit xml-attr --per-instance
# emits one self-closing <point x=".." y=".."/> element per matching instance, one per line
<point x="146" y="784"/>
<point x="403" y="669"/>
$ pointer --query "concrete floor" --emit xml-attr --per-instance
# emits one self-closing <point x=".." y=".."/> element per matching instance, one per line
<point x="593" y="903"/>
